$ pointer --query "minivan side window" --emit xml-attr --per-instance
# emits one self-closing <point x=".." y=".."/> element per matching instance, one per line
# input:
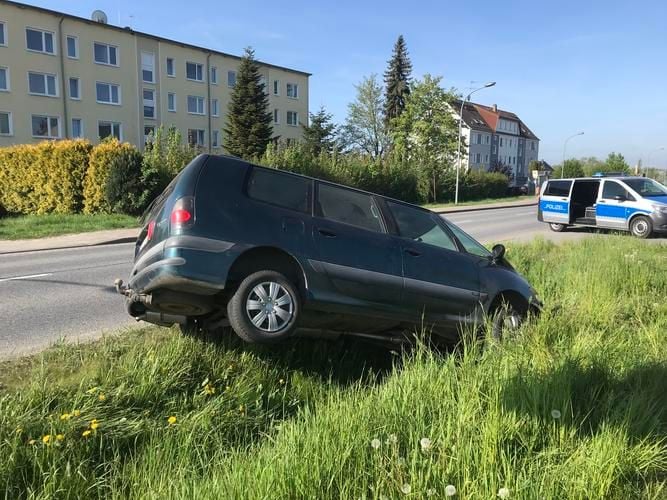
<point x="558" y="188"/>
<point x="277" y="188"/>
<point x="347" y="206"/>
<point x="417" y="225"/>
<point x="469" y="243"/>
<point x="611" y="189"/>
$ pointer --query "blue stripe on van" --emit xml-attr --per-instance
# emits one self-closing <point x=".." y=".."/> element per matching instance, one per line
<point x="617" y="211"/>
<point x="561" y="207"/>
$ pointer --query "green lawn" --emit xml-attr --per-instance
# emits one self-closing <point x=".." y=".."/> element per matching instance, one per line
<point x="507" y="199"/>
<point x="41" y="226"/>
<point x="573" y="407"/>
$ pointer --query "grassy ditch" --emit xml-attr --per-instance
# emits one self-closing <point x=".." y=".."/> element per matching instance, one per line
<point x="574" y="407"/>
<point x="41" y="226"/>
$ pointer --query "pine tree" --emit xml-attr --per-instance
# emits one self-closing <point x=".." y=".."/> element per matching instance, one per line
<point x="397" y="81"/>
<point x="320" y="134"/>
<point x="248" y="130"/>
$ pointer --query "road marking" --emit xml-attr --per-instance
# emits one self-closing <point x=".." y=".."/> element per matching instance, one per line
<point x="25" y="277"/>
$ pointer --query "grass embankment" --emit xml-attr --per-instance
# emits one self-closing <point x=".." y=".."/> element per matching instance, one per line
<point x="574" y="407"/>
<point x="507" y="199"/>
<point x="41" y="226"/>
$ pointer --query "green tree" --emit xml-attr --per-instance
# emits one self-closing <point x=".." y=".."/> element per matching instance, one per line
<point x="616" y="163"/>
<point x="591" y="165"/>
<point x="248" y="130"/>
<point x="573" y="168"/>
<point x="320" y="134"/>
<point x="426" y="133"/>
<point x="397" y="81"/>
<point x="364" y="128"/>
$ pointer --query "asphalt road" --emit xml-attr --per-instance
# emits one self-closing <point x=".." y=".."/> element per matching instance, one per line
<point x="47" y="295"/>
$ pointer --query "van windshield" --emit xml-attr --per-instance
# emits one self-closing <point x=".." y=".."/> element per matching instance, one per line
<point x="646" y="187"/>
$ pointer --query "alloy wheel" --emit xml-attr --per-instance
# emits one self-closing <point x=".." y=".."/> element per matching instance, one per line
<point x="270" y="307"/>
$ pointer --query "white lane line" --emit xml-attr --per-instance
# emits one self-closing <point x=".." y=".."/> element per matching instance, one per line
<point x="25" y="277"/>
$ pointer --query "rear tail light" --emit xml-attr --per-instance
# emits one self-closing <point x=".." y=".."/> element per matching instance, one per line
<point x="183" y="213"/>
<point x="150" y="230"/>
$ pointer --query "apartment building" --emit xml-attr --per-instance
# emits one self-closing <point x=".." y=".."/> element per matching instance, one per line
<point x="63" y="76"/>
<point x="496" y="136"/>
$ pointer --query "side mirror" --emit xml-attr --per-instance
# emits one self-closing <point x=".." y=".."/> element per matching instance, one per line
<point x="497" y="252"/>
<point x="620" y="197"/>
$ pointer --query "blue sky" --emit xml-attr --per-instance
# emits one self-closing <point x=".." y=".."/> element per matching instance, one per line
<point x="562" y="66"/>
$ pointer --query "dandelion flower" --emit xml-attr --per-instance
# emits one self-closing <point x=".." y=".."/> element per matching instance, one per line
<point x="65" y="416"/>
<point x="375" y="443"/>
<point x="450" y="490"/>
<point x="430" y="492"/>
<point x="86" y="433"/>
<point x="406" y="488"/>
<point x="392" y="439"/>
<point x="241" y="409"/>
<point x="209" y="390"/>
<point x="555" y="414"/>
<point x="31" y="442"/>
<point x="92" y="390"/>
<point x="76" y="413"/>
<point x="425" y="443"/>
<point x="60" y="437"/>
<point x="171" y="420"/>
<point x="94" y="424"/>
<point x="503" y="493"/>
<point x="46" y="439"/>
<point x="19" y="430"/>
<point x="102" y="397"/>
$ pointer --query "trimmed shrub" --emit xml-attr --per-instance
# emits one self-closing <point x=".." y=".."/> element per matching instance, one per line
<point x="473" y="185"/>
<point x="43" y="178"/>
<point x="124" y="190"/>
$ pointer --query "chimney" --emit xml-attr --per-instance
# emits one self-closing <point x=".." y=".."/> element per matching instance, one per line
<point x="495" y="108"/>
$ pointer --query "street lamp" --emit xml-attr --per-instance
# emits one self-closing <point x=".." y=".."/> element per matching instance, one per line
<point x="458" y="151"/>
<point x="562" y="169"/>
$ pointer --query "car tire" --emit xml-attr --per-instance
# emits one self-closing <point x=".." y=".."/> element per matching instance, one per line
<point x="505" y="320"/>
<point x="641" y="227"/>
<point x="558" y="228"/>
<point x="265" y="308"/>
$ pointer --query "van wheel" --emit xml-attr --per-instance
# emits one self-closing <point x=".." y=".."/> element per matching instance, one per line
<point x="559" y="228"/>
<point x="641" y="227"/>
<point x="505" y="321"/>
<point x="265" y="308"/>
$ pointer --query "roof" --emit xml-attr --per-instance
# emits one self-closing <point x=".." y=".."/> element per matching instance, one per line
<point x="471" y="116"/>
<point x="473" y="113"/>
<point x="140" y="33"/>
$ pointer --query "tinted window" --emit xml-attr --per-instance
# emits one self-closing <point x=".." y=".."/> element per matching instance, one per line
<point x="558" y="188"/>
<point x="350" y="207"/>
<point x="612" y="189"/>
<point x="418" y="225"/>
<point x="646" y="187"/>
<point x="277" y="188"/>
<point x="469" y="243"/>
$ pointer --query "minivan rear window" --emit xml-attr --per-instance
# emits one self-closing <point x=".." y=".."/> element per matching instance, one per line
<point x="558" y="188"/>
<point x="284" y="190"/>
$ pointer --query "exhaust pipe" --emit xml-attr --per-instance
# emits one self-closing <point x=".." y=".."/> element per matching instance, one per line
<point x="162" y="319"/>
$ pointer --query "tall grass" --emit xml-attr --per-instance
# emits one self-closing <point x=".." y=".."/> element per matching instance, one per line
<point x="574" y="407"/>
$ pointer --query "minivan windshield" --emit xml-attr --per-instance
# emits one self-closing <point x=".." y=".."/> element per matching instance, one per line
<point x="646" y="187"/>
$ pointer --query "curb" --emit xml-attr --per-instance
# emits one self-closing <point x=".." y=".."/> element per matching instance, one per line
<point x="473" y="208"/>
<point x="116" y="241"/>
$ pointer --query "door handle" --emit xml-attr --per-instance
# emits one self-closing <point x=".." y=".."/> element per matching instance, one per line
<point x="413" y="252"/>
<point x="326" y="234"/>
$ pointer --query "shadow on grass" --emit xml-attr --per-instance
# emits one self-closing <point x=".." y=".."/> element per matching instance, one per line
<point x="590" y="397"/>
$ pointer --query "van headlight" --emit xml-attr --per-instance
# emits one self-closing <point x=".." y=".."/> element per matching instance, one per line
<point x="660" y="208"/>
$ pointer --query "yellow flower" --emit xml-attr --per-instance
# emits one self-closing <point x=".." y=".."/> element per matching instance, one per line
<point x="209" y="389"/>
<point x="94" y="424"/>
<point x="101" y="397"/>
<point x="46" y="439"/>
<point x="92" y="390"/>
<point x="32" y="441"/>
<point x="241" y="409"/>
<point x="60" y="437"/>
<point x="76" y="413"/>
<point x="281" y="381"/>
<point x="86" y="433"/>
<point x="19" y="430"/>
<point x="65" y="416"/>
<point x="171" y="420"/>
<point x="227" y="387"/>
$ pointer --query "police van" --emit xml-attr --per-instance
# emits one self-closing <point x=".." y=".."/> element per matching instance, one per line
<point x="635" y="204"/>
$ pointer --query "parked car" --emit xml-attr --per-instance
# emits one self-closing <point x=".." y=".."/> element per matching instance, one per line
<point x="635" y="204"/>
<point x="268" y="252"/>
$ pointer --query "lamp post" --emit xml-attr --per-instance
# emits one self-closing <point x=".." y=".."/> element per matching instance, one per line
<point x="458" y="150"/>
<point x="650" y="153"/>
<point x="562" y="169"/>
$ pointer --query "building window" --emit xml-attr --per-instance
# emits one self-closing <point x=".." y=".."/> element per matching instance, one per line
<point x="40" y="41"/>
<point x="148" y="67"/>
<point x="149" y="103"/>
<point x="149" y="134"/>
<point x="215" y="108"/>
<point x="5" y="123"/>
<point x="532" y="146"/>
<point x="262" y="83"/>
<point x="487" y="138"/>
<point x="292" y="118"/>
<point x="109" y="129"/>
<point x="276" y="116"/>
<point x="293" y="90"/>
<point x="231" y="78"/>
<point x="494" y="149"/>
<point x="74" y="89"/>
<point x="486" y="158"/>
<point x="107" y="93"/>
<point x="214" y="75"/>
<point x="4" y="79"/>
<point x="77" y="128"/>
<point x="194" y="71"/>
<point x="171" y="67"/>
<point x="196" y="137"/>
<point x="215" y="140"/>
<point x="479" y="138"/>
<point x="478" y="158"/>
<point x="501" y="142"/>
<point x="72" y="47"/>
<point x="196" y="105"/>
<point x="171" y="102"/>
<point x="46" y="127"/>
<point x="105" y="54"/>
<point x="276" y="87"/>
<point x="42" y="84"/>
<point x="3" y="34"/>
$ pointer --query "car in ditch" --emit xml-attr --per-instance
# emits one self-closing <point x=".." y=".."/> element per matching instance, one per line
<point x="271" y="253"/>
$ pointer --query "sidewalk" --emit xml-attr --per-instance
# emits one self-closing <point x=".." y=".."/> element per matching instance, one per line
<point x="69" y="241"/>
<point x="530" y="201"/>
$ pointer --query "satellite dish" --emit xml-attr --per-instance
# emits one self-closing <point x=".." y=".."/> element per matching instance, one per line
<point x="99" y="17"/>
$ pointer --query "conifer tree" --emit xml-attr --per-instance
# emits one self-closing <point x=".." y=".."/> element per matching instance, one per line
<point x="320" y="134"/>
<point x="397" y="81"/>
